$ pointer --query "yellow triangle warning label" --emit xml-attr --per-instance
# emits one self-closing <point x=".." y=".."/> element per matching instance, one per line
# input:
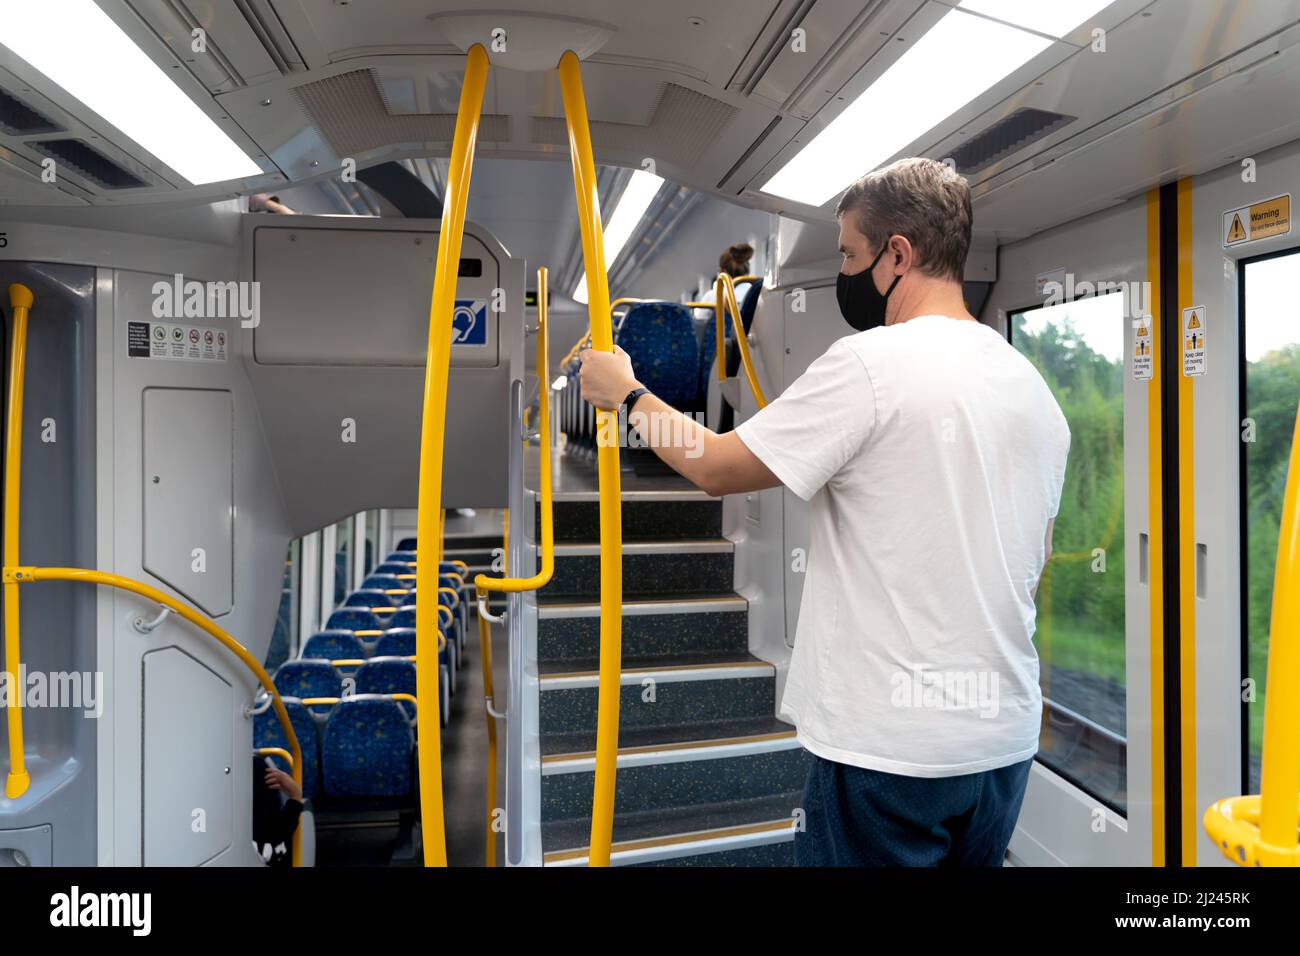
<point x="1237" y="231"/>
<point x="1194" y="322"/>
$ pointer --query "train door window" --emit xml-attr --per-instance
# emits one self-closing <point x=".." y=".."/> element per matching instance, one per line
<point x="343" y="545"/>
<point x="372" y="540"/>
<point x="1270" y="383"/>
<point x="1078" y="347"/>
<point x="285" y="634"/>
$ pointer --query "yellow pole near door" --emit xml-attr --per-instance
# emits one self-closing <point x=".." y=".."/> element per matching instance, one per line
<point x="611" y="528"/>
<point x="1260" y="830"/>
<point x="20" y="300"/>
<point x="432" y="436"/>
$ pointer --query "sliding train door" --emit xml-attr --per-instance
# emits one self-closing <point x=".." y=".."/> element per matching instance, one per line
<point x="1076" y="302"/>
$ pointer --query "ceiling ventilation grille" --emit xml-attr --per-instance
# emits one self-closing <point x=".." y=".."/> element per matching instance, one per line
<point x="683" y="125"/>
<point x="1008" y="135"/>
<point x="349" y="111"/>
<point x="88" y="163"/>
<point x="19" y="119"/>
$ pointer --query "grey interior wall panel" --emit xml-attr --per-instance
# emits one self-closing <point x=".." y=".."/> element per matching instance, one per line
<point x="189" y="503"/>
<point x="336" y="362"/>
<point x="188" y="759"/>
<point x="54" y="822"/>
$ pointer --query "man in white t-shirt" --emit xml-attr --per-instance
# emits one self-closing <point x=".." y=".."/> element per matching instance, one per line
<point x="932" y="454"/>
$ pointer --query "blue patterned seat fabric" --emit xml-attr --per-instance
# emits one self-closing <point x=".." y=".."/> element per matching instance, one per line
<point x="352" y="619"/>
<point x="393" y="567"/>
<point x="331" y="646"/>
<point x="367" y="749"/>
<point x="388" y="675"/>
<point x="308" y="678"/>
<point x="369" y="597"/>
<point x="659" y="337"/>
<point x="384" y="582"/>
<point x="267" y="733"/>
<point x="405" y="551"/>
<point x="396" y="642"/>
<point x="403" y="617"/>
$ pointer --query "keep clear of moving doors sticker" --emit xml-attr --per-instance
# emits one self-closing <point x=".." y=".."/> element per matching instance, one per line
<point x="1142" y="349"/>
<point x="1194" y="340"/>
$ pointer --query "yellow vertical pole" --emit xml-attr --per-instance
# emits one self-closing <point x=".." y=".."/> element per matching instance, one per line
<point x="20" y="299"/>
<point x="611" y="530"/>
<point x="1281" y="756"/>
<point x="432" y="436"/>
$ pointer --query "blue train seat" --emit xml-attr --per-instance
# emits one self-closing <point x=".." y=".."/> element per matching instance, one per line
<point x="267" y="733"/>
<point x="332" y="646"/>
<point x="367" y="750"/>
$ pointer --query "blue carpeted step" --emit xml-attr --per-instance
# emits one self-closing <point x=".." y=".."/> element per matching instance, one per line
<point x="655" y="519"/>
<point x="657" y="694"/>
<point x="676" y="836"/>
<point x="694" y="567"/>
<point x="569" y="631"/>
<point x="697" y="771"/>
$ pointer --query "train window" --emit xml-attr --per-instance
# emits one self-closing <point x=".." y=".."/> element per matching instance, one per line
<point x="286" y="616"/>
<point x="1078" y="347"/>
<point x="1270" y="381"/>
<point x="342" y="560"/>
<point x="372" y="541"/>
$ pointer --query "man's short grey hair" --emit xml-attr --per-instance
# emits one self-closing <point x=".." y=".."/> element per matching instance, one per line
<point x="924" y="201"/>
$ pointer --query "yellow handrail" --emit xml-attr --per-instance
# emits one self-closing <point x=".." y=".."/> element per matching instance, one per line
<point x="726" y="286"/>
<point x="1261" y="830"/>
<point x="484" y="584"/>
<point x="275" y="752"/>
<point x="20" y="300"/>
<point x="611" y="531"/>
<point x="432" y="436"/>
<point x="25" y="575"/>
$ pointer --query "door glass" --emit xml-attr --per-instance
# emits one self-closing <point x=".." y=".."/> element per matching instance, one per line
<point x="1078" y="348"/>
<point x="342" y="562"/>
<point x="1271" y="342"/>
<point x="286" y="618"/>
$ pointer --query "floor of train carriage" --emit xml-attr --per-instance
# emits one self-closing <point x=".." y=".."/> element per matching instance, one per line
<point x="362" y="842"/>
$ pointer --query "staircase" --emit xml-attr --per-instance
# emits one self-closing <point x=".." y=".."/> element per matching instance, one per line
<point x="707" y="776"/>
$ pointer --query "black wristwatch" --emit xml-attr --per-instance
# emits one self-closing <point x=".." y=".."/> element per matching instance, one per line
<point x="632" y="397"/>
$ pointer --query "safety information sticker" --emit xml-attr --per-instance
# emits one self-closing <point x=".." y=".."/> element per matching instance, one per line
<point x="1194" y="340"/>
<point x="1142" y="349"/>
<point x="168" y="340"/>
<point x="1261" y="220"/>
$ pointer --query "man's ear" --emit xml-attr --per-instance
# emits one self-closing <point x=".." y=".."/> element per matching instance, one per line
<point x="904" y="254"/>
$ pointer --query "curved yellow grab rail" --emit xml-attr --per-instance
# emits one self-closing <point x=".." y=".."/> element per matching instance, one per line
<point x="25" y="575"/>
<point x="611" y="529"/>
<point x="726" y="286"/>
<point x="20" y="300"/>
<point x="275" y="752"/>
<point x="1261" y="830"/>
<point x="483" y="584"/>
<point x="432" y="437"/>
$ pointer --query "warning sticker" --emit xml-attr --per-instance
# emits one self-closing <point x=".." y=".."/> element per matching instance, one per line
<point x="168" y="340"/>
<point x="1262" y="220"/>
<point x="1142" y="362"/>
<point x="1194" y="340"/>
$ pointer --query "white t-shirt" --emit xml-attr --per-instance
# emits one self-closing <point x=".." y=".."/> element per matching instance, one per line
<point x="933" y="455"/>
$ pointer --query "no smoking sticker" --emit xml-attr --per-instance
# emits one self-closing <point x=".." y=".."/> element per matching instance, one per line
<point x="1194" y="340"/>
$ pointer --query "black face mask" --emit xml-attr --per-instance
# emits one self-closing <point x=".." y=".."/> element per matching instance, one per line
<point x="861" y="303"/>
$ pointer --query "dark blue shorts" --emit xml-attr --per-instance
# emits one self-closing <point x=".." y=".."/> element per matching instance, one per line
<point x="858" y="817"/>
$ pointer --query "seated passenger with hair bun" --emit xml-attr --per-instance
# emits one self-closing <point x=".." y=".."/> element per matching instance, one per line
<point x="734" y="261"/>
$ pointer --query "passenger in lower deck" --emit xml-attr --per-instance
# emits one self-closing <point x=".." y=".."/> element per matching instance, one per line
<point x="933" y="456"/>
